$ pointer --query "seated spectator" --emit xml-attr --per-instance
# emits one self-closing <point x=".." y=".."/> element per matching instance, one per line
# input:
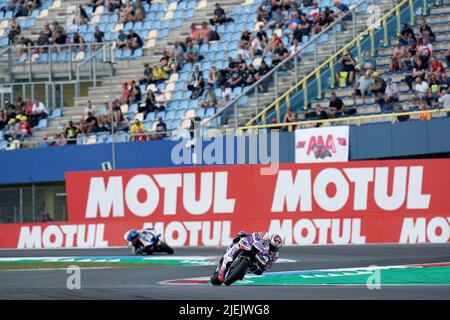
<point x="313" y="14"/>
<point x="138" y="130"/>
<point x="249" y="75"/>
<point x="11" y="129"/>
<point x="24" y="44"/>
<point x="322" y="23"/>
<point x="261" y="72"/>
<point x="161" y="129"/>
<point x="378" y="88"/>
<point x="419" y="71"/>
<point x="444" y="99"/>
<point x="126" y="14"/>
<point x="263" y="12"/>
<point x="158" y="75"/>
<point x="426" y="50"/>
<point x="243" y="51"/>
<point x="191" y="54"/>
<point x="196" y="84"/>
<point x="437" y="67"/>
<point x="125" y="98"/>
<point x="294" y="21"/>
<point x="193" y="32"/>
<point x="368" y="63"/>
<point x="135" y="93"/>
<point x="204" y="33"/>
<point x="21" y="9"/>
<point x="421" y="89"/>
<point x="406" y="34"/>
<point x="147" y="74"/>
<point x="89" y="109"/>
<point x="59" y="41"/>
<point x="279" y="54"/>
<point x="341" y="9"/>
<point x="236" y="78"/>
<point x="120" y="123"/>
<point x="219" y="16"/>
<point x="43" y="42"/>
<point x="56" y="28"/>
<point x="398" y="56"/>
<point x="363" y="84"/>
<point x="139" y="12"/>
<point x="134" y="41"/>
<point x="78" y="41"/>
<point x="81" y="16"/>
<point x="110" y="5"/>
<point x="210" y="100"/>
<point x="434" y="90"/>
<point x="13" y="31"/>
<point x="336" y="105"/>
<point x="262" y="36"/>
<point x="149" y="104"/>
<point x="160" y="100"/>
<point x="24" y="130"/>
<point x="278" y="19"/>
<point x="89" y="124"/>
<point x="255" y="48"/>
<point x="347" y="73"/>
<point x="104" y="118"/>
<point x="121" y="42"/>
<point x="245" y="38"/>
<point x="227" y="97"/>
<point x="39" y="111"/>
<point x="214" y="77"/>
<point x="318" y="114"/>
<point x="391" y="92"/>
<point x="303" y="29"/>
<point x="289" y="117"/>
<point x="425" y="31"/>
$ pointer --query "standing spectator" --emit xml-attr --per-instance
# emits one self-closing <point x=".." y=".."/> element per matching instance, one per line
<point x="347" y="70"/>
<point x="13" y="31"/>
<point x="71" y="133"/>
<point x="197" y="83"/>
<point x="219" y="16"/>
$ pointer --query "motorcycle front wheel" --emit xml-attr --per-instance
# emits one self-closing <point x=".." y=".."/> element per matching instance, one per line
<point x="163" y="247"/>
<point x="237" y="272"/>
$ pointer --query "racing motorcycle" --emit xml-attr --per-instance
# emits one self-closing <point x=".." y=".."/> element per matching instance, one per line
<point x="247" y="255"/>
<point x="148" y="242"/>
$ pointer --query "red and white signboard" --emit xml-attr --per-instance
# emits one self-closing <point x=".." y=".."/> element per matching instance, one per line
<point x="321" y="145"/>
<point x="405" y="201"/>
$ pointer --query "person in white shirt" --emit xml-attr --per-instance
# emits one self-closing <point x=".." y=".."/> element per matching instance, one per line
<point x="160" y="100"/>
<point x="421" y="88"/>
<point x="294" y="47"/>
<point x="391" y="92"/>
<point x="444" y="99"/>
<point x="89" y="109"/>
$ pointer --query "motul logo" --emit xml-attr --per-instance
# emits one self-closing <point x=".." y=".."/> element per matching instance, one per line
<point x="64" y="236"/>
<point x="351" y="184"/>
<point x="142" y="194"/>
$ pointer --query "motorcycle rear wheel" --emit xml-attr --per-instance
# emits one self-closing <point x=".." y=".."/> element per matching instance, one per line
<point x="238" y="272"/>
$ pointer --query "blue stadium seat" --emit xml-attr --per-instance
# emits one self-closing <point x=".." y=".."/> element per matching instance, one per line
<point x="133" y="108"/>
<point x="151" y="116"/>
<point x="209" y="112"/>
<point x="137" y="53"/>
<point x="43" y="123"/>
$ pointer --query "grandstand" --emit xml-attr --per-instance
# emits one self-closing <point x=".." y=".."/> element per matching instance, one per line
<point x="68" y="79"/>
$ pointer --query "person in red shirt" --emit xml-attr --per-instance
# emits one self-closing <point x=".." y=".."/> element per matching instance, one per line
<point x="24" y="130"/>
<point x="437" y="67"/>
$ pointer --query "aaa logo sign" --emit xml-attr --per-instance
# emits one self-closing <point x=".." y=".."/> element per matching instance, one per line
<point x="317" y="145"/>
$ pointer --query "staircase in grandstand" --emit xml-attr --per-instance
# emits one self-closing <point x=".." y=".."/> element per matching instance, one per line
<point x="310" y="92"/>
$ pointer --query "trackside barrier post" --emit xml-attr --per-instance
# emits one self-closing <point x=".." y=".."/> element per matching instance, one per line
<point x="397" y="13"/>
<point x="411" y="12"/>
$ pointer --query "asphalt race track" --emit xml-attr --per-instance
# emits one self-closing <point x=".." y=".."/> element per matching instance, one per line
<point x="144" y="282"/>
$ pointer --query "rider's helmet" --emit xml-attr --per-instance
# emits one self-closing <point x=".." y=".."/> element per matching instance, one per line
<point x="275" y="243"/>
<point x="132" y="235"/>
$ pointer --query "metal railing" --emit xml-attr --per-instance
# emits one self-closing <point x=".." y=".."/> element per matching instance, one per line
<point x="357" y="120"/>
<point x="323" y="76"/>
<point x="27" y="62"/>
<point x="271" y="78"/>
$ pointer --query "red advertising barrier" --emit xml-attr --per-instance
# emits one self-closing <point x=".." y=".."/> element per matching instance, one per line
<point x="344" y="203"/>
